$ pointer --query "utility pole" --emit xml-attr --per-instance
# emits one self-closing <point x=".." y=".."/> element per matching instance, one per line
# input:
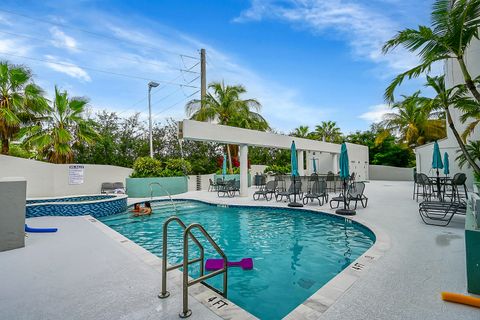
<point x="203" y="75"/>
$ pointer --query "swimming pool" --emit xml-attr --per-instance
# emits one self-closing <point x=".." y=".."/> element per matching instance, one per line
<point x="295" y="252"/>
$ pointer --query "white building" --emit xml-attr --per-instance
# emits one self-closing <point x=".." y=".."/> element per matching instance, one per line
<point x="453" y="77"/>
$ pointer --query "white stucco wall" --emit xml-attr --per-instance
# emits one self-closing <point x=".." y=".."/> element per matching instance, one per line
<point x="47" y="180"/>
<point x="192" y="182"/>
<point x="389" y="173"/>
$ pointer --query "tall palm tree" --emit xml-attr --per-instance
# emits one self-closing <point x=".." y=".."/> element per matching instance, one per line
<point x="444" y="99"/>
<point x="301" y="132"/>
<point x="412" y="122"/>
<point x="225" y="106"/>
<point x="473" y="149"/>
<point x="20" y="99"/>
<point x="62" y="126"/>
<point x="328" y="131"/>
<point x="454" y="24"/>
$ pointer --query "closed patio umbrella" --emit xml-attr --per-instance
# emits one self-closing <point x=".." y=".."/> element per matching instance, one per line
<point x="224" y="166"/>
<point x="294" y="164"/>
<point x="344" y="175"/>
<point x="437" y="164"/>
<point x="314" y="165"/>
<point x="446" y="164"/>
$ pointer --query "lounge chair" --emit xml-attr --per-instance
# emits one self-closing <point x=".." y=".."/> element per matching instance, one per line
<point x="317" y="192"/>
<point x="212" y="185"/>
<point x="290" y="191"/>
<point x="107" y="187"/>
<point x="268" y="189"/>
<point x="119" y="188"/>
<point x="440" y="213"/>
<point x="226" y="189"/>
<point x="354" y="193"/>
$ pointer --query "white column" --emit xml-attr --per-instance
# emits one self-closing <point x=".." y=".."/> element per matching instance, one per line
<point x="243" y="170"/>
<point x="301" y="168"/>
<point x="335" y="163"/>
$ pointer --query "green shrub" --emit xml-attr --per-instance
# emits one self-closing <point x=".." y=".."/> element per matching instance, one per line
<point x="236" y="170"/>
<point x="177" y="167"/>
<point x="276" y="169"/>
<point x="146" y="167"/>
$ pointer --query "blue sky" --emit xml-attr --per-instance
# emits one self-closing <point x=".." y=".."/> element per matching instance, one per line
<point x="305" y="60"/>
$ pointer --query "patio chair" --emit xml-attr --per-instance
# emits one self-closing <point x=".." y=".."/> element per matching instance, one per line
<point x="440" y="213"/>
<point x="226" y="189"/>
<point x="107" y="187"/>
<point x="426" y="184"/>
<point x="212" y="186"/>
<point x="459" y="180"/>
<point x="354" y="193"/>
<point x="119" y="188"/>
<point x="331" y="183"/>
<point x="291" y="191"/>
<point x="318" y="192"/>
<point x="268" y="189"/>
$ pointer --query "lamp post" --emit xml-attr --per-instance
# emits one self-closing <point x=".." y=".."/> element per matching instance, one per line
<point x="151" y="85"/>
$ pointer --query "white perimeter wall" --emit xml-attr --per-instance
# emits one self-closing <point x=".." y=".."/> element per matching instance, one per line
<point x="390" y="173"/>
<point x="47" y="180"/>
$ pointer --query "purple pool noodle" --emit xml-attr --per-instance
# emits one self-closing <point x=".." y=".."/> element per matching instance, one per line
<point x="217" y="264"/>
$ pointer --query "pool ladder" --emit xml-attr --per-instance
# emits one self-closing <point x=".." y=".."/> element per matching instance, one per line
<point x="187" y="233"/>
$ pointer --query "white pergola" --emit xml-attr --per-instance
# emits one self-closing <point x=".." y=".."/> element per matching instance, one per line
<point x="209" y="132"/>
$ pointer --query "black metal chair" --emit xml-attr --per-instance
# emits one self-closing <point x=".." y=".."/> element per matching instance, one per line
<point x="291" y="191"/>
<point x="457" y="181"/>
<point x="355" y="192"/>
<point x="226" y="189"/>
<point x="268" y="190"/>
<point x="426" y="185"/>
<point x="212" y="185"/>
<point x="317" y="192"/>
<point x="107" y="187"/>
<point x="440" y="213"/>
<point x="331" y="183"/>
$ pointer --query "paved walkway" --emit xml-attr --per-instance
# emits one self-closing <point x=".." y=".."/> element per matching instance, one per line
<point x="82" y="273"/>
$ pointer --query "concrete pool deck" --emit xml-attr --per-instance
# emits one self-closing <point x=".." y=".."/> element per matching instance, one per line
<point x="83" y="273"/>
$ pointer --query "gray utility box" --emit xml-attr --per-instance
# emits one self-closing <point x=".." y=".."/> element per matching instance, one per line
<point x="13" y="195"/>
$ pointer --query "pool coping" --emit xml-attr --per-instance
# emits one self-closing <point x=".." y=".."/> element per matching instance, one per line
<point x="114" y="197"/>
<point x="318" y="303"/>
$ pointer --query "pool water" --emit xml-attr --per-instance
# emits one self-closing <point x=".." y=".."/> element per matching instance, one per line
<point x="295" y="252"/>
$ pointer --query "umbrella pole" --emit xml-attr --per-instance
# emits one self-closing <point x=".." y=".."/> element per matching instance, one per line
<point x="295" y="204"/>
<point x="345" y="211"/>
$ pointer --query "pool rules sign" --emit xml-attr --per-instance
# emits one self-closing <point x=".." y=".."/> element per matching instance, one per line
<point x="76" y="174"/>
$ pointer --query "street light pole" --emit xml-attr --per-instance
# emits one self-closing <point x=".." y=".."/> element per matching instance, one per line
<point x="151" y="85"/>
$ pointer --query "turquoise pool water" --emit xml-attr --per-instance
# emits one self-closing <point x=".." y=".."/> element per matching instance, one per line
<point x="295" y="252"/>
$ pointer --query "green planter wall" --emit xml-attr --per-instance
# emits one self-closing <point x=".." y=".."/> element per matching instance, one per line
<point x="140" y="187"/>
<point x="234" y="176"/>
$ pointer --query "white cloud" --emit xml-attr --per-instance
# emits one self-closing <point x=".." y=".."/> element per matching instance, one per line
<point x="67" y="68"/>
<point x="62" y="40"/>
<point x="375" y="113"/>
<point x="13" y="46"/>
<point x="364" y="29"/>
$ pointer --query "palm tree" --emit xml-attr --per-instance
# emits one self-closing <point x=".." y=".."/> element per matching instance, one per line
<point x="63" y="126"/>
<point x="412" y="122"/>
<point x="473" y="149"/>
<point x="454" y="24"/>
<point x="445" y="98"/>
<point x="226" y="107"/>
<point x="328" y="131"/>
<point x="301" y="132"/>
<point x="20" y="99"/>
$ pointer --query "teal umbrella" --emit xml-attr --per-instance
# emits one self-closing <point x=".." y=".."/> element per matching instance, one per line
<point x="437" y="157"/>
<point x="446" y="164"/>
<point x="293" y="160"/>
<point x="294" y="163"/>
<point x="344" y="165"/>
<point x="344" y="175"/>
<point x="314" y="165"/>
<point x="437" y="164"/>
<point x="224" y="166"/>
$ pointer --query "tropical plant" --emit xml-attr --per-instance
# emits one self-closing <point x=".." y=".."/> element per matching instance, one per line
<point x="412" y="122"/>
<point x="473" y="150"/>
<point x="444" y="99"/>
<point x="328" y="131"/>
<point x="301" y="132"/>
<point x="60" y="128"/>
<point x="454" y="24"/>
<point x="20" y="100"/>
<point x="226" y="107"/>
<point x="146" y="167"/>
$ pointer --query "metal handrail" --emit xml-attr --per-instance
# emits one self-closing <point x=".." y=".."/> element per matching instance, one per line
<point x="168" y="193"/>
<point x="165" y="294"/>
<point x="186" y="312"/>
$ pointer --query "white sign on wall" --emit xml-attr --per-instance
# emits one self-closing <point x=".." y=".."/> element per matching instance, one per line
<point x="76" y="174"/>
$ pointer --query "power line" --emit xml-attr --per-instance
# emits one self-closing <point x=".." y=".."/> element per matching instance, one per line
<point x="97" y="34"/>
<point x="176" y="103"/>
<point x="97" y="70"/>
<point x="97" y="51"/>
